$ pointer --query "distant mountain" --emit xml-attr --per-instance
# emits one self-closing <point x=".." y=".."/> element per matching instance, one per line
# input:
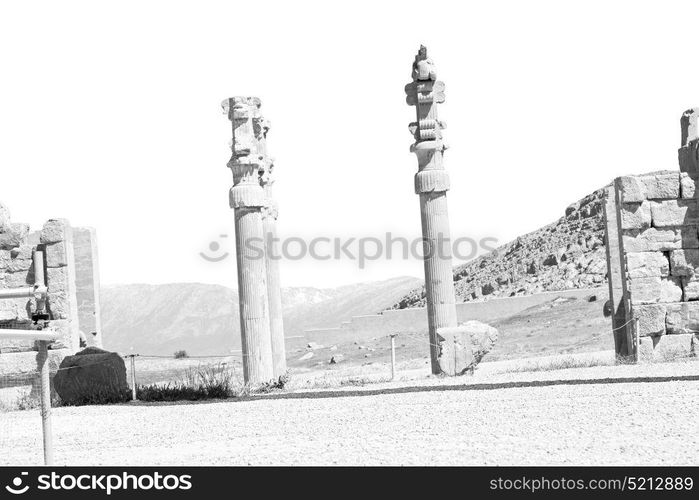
<point x="569" y="253"/>
<point x="203" y="319"/>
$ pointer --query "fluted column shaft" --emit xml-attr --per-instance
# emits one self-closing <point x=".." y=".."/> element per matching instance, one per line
<point x="276" y="321"/>
<point x="272" y="255"/>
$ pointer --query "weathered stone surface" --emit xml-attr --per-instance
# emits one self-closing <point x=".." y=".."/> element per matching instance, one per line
<point x="67" y="334"/>
<point x="57" y="279"/>
<point x="645" y="349"/>
<point x="660" y="239"/>
<point x="681" y="212"/>
<point x="87" y="284"/>
<point x="636" y="215"/>
<point x="5" y="257"/>
<point x="4" y="218"/>
<point x="59" y="304"/>
<point x="690" y="285"/>
<point x="688" y="185"/>
<point x="17" y="280"/>
<point x="20" y="259"/>
<point x="672" y="347"/>
<point x="23" y="364"/>
<point x="684" y="262"/>
<point x="682" y="318"/>
<point x="632" y="189"/>
<point x="92" y="376"/>
<point x="55" y="230"/>
<point x="662" y="186"/>
<point x="56" y="255"/>
<point x="647" y="264"/>
<point x="464" y="346"/>
<point x="13" y="236"/>
<point x="651" y="319"/>
<point x="653" y="290"/>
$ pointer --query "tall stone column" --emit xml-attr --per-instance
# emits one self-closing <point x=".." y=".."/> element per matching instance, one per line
<point x="432" y="184"/>
<point x="247" y="198"/>
<point x="269" y="223"/>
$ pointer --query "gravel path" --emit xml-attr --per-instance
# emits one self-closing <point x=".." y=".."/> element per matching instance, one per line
<point x="615" y="423"/>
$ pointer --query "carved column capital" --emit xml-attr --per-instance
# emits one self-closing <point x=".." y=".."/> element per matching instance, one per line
<point x="425" y="92"/>
<point x="246" y="159"/>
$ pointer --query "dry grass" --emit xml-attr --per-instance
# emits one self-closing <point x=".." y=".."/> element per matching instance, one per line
<point x="563" y="362"/>
<point x="219" y="381"/>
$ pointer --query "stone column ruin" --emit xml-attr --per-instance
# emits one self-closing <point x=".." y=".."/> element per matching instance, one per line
<point x="248" y="199"/>
<point x="269" y="223"/>
<point x="449" y="348"/>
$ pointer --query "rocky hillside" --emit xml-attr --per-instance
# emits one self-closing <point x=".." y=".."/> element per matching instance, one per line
<point x="568" y="253"/>
<point x="203" y="319"/>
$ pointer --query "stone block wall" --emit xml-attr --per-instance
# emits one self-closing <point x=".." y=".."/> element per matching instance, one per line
<point x="71" y="273"/>
<point x="652" y="223"/>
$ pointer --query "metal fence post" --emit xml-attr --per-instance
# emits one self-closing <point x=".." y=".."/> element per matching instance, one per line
<point x="393" y="355"/>
<point x="637" y="340"/>
<point x="133" y="375"/>
<point x="45" y="390"/>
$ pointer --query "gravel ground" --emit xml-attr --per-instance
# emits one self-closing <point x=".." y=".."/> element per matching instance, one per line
<point x="589" y="423"/>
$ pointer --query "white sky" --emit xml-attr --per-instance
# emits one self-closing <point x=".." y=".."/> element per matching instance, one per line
<point x="110" y="117"/>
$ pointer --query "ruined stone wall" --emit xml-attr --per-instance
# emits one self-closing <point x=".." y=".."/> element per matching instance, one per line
<point x="653" y="258"/>
<point x="72" y="282"/>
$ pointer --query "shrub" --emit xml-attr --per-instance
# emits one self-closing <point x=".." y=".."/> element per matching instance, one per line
<point x="204" y="382"/>
<point x="181" y="354"/>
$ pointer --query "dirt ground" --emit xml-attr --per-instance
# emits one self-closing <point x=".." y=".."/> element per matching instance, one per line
<point x="582" y="416"/>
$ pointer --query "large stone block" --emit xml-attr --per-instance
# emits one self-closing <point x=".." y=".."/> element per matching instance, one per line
<point x="684" y="262"/>
<point x="647" y="264"/>
<point x="58" y="279"/>
<point x="690" y="285"/>
<point x="463" y="347"/>
<point x="92" y="376"/>
<point x="56" y="254"/>
<point x="672" y="347"/>
<point x="20" y="259"/>
<point x="631" y="189"/>
<point x="59" y="305"/>
<point x="635" y="215"/>
<point x="13" y="236"/>
<point x="651" y="319"/>
<point x="18" y="279"/>
<point x="688" y="185"/>
<point x="55" y="230"/>
<point x="660" y="239"/>
<point x="664" y="186"/>
<point x="681" y="212"/>
<point x="653" y="290"/>
<point x="682" y="318"/>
